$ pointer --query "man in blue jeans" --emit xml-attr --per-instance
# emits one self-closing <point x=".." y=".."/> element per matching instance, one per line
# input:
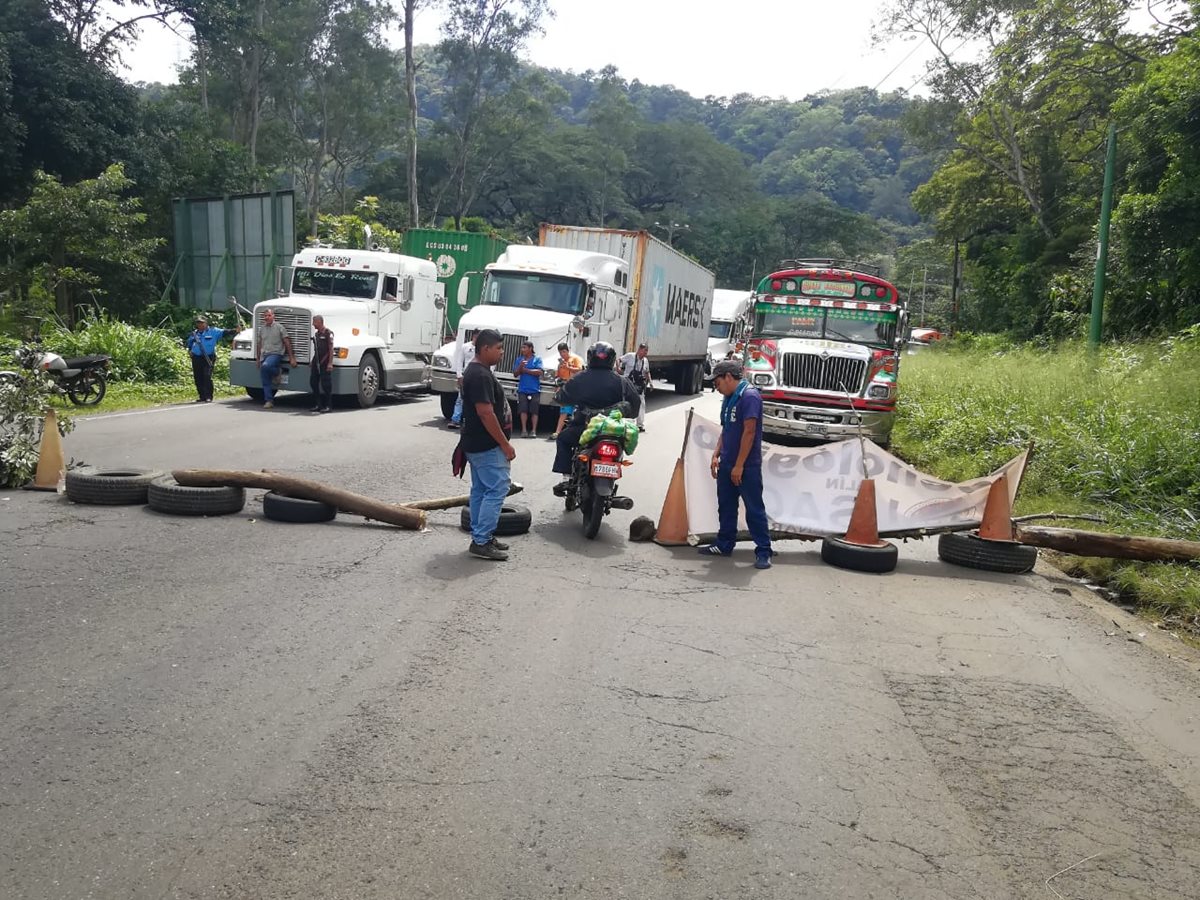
<point x="737" y="465"/>
<point x="272" y="342"/>
<point x="485" y="442"/>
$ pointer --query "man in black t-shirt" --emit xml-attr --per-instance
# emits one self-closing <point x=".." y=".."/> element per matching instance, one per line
<point x="320" y="376"/>
<point x="487" y="424"/>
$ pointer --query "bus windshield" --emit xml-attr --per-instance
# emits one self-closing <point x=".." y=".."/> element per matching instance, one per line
<point x="720" y="330"/>
<point x="819" y="323"/>
<point x="335" y="283"/>
<point x="561" y="295"/>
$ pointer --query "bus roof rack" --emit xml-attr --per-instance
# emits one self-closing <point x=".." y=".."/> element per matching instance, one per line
<point x="851" y="265"/>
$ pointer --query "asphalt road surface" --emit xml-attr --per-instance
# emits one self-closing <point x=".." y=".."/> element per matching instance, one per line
<point x="237" y="708"/>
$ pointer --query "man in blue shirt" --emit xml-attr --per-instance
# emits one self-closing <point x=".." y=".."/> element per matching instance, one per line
<point x="737" y="465"/>
<point x="528" y="370"/>
<point x="202" y="348"/>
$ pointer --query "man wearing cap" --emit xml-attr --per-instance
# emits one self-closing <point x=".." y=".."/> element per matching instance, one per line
<point x="636" y="367"/>
<point x="202" y="348"/>
<point x="737" y="465"/>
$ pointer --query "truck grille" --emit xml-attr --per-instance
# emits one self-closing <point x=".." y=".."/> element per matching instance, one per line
<point x="298" y="323"/>
<point x="808" y="371"/>
<point x="512" y="349"/>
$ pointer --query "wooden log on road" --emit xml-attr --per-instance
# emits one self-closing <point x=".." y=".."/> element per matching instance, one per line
<point x="1115" y="546"/>
<point x="451" y="502"/>
<point x="302" y="488"/>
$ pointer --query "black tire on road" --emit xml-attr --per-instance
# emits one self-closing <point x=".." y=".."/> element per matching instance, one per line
<point x="858" y="558"/>
<point x="109" y="487"/>
<point x="970" y="550"/>
<point x="168" y="496"/>
<point x="593" y="515"/>
<point x="89" y="389"/>
<point x="368" y="381"/>
<point x="513" y="520"/>
<point x="448" y="401"/>
<point x="279" y="508"/>
<point x="255" y="394"/>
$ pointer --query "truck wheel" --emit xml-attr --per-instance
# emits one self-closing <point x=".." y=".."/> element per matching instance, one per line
<point x="974" y="552"/>
<point x="858" y="558"/>
<point x="448" y="401"/>
<point x="682" y="376"/>
<point x="697" y="377"/>
<point x="109" y="487"/>
<point x="368" y="381"/>
<point x="513" y="520"/>
<point x="255" y="394"/>
<point x="279" y="508"/>
<point x="168" y="496"/>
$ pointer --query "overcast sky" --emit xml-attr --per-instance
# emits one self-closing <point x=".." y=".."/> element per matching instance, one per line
<point x="773" y="48"/>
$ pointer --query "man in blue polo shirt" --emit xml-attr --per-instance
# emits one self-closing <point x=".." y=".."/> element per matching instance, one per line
<point x="202" y="348"/>
<point x="737" y="465"/>
<point x="528" y="370"/>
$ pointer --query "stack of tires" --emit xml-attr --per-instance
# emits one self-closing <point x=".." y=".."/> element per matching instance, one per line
<point x="132" y="486"/>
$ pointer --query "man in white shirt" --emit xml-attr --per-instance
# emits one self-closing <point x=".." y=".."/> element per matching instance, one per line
<point x="468" y="354"/>
<point x="636" y="367"/>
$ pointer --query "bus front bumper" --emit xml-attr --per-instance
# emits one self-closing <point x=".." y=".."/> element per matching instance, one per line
<point x="823" y="423"/>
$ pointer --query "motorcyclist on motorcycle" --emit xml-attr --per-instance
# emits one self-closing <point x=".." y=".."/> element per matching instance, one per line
<point x="597" y="387"/>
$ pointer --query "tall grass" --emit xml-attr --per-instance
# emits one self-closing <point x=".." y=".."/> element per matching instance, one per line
<point x="138" y="354"/>
<point x="1115" y="432"/>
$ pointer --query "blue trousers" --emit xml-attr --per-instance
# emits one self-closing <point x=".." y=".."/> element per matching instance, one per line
<point x="271" y="365"/>
<point x="491" y="474"/>
<point x="751" y="494"/>
<point x="456" y="418"/>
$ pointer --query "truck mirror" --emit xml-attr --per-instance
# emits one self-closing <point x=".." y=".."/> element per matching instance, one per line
<point x="410" y="292"/>
<point x="589" y="308"/>
<point x="464" y="289"/>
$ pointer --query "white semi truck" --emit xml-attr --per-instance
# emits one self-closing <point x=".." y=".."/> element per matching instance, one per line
<point x="729" y="324"/>
<point x="582" y="285"/>
<point x="385" y="310"/>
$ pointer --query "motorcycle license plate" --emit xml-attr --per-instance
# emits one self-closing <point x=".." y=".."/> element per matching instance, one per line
<point x="606" y="470"/>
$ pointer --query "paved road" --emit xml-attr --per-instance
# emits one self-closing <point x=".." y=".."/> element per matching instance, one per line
<point x="238" y="708"/>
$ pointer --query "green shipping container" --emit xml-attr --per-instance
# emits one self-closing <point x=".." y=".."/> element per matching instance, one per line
<point x="456" y="254"/>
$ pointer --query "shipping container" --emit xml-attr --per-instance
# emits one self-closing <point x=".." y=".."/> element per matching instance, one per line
<point x="671" y="294"/>
<point x="456" y="254"/>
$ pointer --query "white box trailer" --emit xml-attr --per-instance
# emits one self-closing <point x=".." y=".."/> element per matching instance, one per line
<point x="670" y="298"/>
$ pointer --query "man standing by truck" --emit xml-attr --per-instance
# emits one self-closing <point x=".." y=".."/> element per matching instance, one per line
<point x="202" y="347"/>
<point x="737" y="465"/>
<point x="636" y="367"/>
<point x="485" y="442"/>
<point x="272" y="342"/>
<point x="528" y="370"/>
<point x="320" y="377"/>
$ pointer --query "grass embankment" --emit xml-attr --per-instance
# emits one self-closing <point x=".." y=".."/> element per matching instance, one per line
<point x="1116" y="434"/>
<point x="124" y="395"/>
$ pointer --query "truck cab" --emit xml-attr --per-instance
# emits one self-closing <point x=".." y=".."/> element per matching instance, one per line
<point x="831" y="336"/>
<point x="546" y="295"/>
<point x="385" y="311"/>
<point x="726" y="330"/>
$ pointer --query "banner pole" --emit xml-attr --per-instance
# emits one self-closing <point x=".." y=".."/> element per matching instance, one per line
<point x="687" y="429"/>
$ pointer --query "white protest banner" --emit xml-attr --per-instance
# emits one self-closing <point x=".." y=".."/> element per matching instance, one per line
<point x="811" y="490"/>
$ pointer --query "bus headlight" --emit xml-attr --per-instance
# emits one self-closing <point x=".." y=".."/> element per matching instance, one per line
<point x="441" y="362"/>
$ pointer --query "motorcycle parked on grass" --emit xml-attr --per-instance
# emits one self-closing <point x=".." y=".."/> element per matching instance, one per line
<point x="592" y="486"/>
<point x="83" y="379"/>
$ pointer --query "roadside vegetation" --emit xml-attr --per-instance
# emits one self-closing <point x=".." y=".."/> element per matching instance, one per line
<point x="1115" y="434"/>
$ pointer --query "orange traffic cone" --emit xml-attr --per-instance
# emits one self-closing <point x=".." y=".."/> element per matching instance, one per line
<point x="864" y="520"/>
<point x="673" y="520"/>
<point x="997" y="513"/>
<point x="50" y="468"/>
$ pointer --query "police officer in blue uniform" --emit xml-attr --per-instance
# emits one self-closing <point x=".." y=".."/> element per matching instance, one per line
<point x="202" y="348"/>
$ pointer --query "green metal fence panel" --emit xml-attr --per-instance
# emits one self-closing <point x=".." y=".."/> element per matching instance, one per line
<point x="456" y="253"/>
<point x="230" y="246"/>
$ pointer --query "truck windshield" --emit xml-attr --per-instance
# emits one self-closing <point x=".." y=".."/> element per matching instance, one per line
<point x="720" y="330"/>
<point x="335" y="283"/>
<point x="562" y="295"/>
<point x="852" y="326"/>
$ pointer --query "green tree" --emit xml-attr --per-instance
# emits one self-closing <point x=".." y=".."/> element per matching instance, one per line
<point x="63" y="235"/>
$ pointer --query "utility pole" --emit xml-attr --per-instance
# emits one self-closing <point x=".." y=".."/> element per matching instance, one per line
<point x="924" y="283"/>
<point x="954" y="291"/>
<point x="1110" y="163"/>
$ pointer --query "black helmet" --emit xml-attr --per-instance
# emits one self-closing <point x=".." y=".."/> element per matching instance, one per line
<point x="602" y="355"/>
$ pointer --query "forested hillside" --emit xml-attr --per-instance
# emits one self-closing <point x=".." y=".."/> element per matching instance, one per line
<point x="1001" y="156"/>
